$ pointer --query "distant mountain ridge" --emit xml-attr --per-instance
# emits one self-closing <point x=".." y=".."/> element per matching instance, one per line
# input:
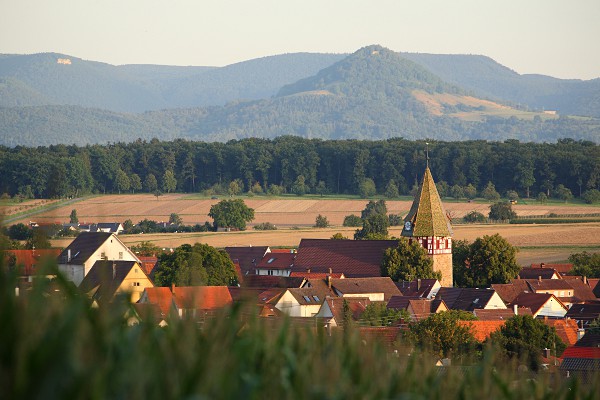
<point x="374" y="93"/>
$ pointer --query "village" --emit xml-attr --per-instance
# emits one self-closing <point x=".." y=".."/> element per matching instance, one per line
<point x="329" y="284"/>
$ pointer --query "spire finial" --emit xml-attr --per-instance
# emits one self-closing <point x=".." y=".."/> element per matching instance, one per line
<point x="427" y="152"/>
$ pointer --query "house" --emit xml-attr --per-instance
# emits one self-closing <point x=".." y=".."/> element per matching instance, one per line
<point x="569" y="291"/>
<point x="109" y="227"/>
<point x="508" y="292"/>
<point x="107" y="279"/>
<point x="541" y="304"/>
<point x="482" y="330"/>
<point x="162" y="297"/>
<point x="566" y="329"/>
<point x="584" y="313"/>
<point x="145" y="312"/>
<point x="76" y="261"/>
<point x="333" y="311"/>
<point x="425" y="288"/>
<point x="301" y="302"/>
<point x="470" y="299"/>
<point x="419" y="308"/>
<point x="26" y="262"/>
<point x="376" y="289"/>
<point x="539" y="273"/>
<point x="583" y="358"/>
<point x="499" y="314"/>
<point x="247" y="257"/>
<point x="276" y="264"/>
<point x="353" y="258"/>
<point x="148" y="263"/>
<point x="197" y="301"/>
<point x="309" y="275"/>
<point x="562" y="269"/>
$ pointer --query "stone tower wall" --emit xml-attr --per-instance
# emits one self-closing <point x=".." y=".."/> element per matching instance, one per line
<point x="443" y="263"/>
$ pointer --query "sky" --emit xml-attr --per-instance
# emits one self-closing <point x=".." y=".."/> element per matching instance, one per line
<point x="550" y="37"/>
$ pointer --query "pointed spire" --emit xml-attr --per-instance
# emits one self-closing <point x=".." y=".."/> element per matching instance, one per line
<point x="427" y="216"/>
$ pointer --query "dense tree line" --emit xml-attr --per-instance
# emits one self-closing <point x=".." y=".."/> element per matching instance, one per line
<point x="294" y="164"/>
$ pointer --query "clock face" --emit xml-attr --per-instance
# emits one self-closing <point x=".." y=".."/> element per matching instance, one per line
<point x="407" y="225"/>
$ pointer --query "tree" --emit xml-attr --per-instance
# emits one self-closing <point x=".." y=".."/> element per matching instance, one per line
<point x="391" y="190"/>
<point x="366" y="188"/>
<point x="150" y="183"/>
<point x="73" y="217"/>
<point x="585" y="264"/>
<point x="135" y="182"/>
<point x="122" y="182"/>
<point x="299" y="188"/>
<point x="175" y="219"/>
<point x="231" y="214"/>
<point x="457" y="192"/>
<point x="127" y="225"/>
<point x="512" y="195"/>
<point x="524" y="338"/>
<point x="236" y="187"/>
<point x="374" y="207"/>
<point x="408" y="261"/>
<point x="169" y="183"/>
<point x="321" y="221"/>
<point x="256" y="188"/>
<point x="377" y="314"/>
<point x="146" y="249"/>
<point x="195" y="265"/>
<point x="352" y="220"/>
<point x="563" y="193"/>
<point x="490" y="193"/>
<point x="395" y="219"/>
<point x="338" y="236"/>
<point x="443" y="188"/>
<point x="470" y="191"/>
<point x="375" y="227"/>
<point x="488" y="260"/>
<point x="442" y="334"/>
<point x="321" y="188"/>
<point x="275" y="190"/>
<point x="591" y="196"/>
<point x="502" y="211"/>
<point x="473" y="217"/>
<point x="38" y="240"/>
<point x="542" y="197"/>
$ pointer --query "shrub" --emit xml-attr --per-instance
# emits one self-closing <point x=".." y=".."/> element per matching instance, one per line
<point x="474" y="216"/>
<point x="591" y="196"/>
<point x="395" y="219"/>
<point x="352" y="220"/>
<point x="321" y="221"/>
<point x="502" y="211"/>
<point x="265" y="226"/>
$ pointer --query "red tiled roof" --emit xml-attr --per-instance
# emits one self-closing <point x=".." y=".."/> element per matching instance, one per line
<point x="581" y="352"/>
<point x="508" y="292"/>
<point x="535" y="301"/>
<point x="566" y="329"/>
<point x="386" y="335"/>
<point x="548" y="284"/>
<point x="247" y="256"/>
<point x="270" y="296"/>
<point x="353" y="258"/>
<point x="357" y="306"/>
<point x="148" y="263"/>
<point x="315" y="275"/>
<point x="160" y="296"/>
<point x="482" y="329"/>
<point x="202" y="297"/>
<point x="29" y="259"/>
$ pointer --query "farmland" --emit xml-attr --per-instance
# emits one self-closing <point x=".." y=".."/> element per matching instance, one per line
<point x="295" y="217"/>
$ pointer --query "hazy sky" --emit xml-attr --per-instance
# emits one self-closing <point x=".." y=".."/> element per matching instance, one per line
<point x="557" y="38"/>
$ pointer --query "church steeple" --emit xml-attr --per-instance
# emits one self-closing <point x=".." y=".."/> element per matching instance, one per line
<point x="428" y="223"/>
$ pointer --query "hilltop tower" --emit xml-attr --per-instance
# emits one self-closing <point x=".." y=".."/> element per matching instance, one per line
<point x="428" y="223"/>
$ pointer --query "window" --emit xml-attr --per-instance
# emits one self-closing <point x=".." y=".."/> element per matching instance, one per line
<point x="316" y="298"/>
<point x="307" y="299"/>
<point x="135" y="284"/>
<point x="103" y="255"/>
<point x="120" y="255"/>
<point x="270" y="260"/>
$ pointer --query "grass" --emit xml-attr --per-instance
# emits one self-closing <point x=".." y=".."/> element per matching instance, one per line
<point x="54" y="345"/>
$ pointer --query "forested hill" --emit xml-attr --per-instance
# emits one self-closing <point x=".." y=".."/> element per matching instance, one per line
<point x="58" y="79"/>
<point x="373" y="93"/>
<point x="486" y="78"/>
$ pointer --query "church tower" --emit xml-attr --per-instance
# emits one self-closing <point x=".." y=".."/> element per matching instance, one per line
<point x="428" y="223"/>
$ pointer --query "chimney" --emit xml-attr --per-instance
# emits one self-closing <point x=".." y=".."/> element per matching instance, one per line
<point x="68" y="255"/>
<point x="585" y="280"/>
<point x="516" y="309"/>
<point x="546" y="353"/>
<point x="542" y="265"/>
<point x="172" y="288"/>
<point x="539" y="278"/>
<point x="329" y="281"/>
<point x="330" y="271"/>
<point x="418" y="284"/>
<point x="114" y="265"/>
<point x="308" y="270"/>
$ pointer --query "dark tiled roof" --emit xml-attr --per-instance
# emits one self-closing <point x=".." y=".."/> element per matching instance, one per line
<point x="106" y="277"/>
<point x="560" y="268"/>
<point x="270" y="296"/>
<point x="548" y="284"/>
<point x="467" y="299"/>
<point x="418" y="287"/>
<point x="353" y="258"/>
<point x="535" y="273"/>
<point x="508" y="292"/>
<point x="581" y="290"/>
<point x="594" y="284"/>
<point x="590" y="339"/>
<point x="356" y="305"/>
<point x="387" y="335"/>
<point x="534" y="301"/>
<point x="247" y="256"/>
<point x="427" y="214"/>
<point x="315" y="275"/>
<point x="308" y="295"/>
<point x="276" y="261"/>
<point x="581" y="361"/>
<point x="383" y="285"/>
<point x="82" y="248"/>
<point x="269" y="281"/>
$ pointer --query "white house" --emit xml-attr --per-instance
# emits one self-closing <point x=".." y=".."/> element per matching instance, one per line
<point x="76" y="261"/>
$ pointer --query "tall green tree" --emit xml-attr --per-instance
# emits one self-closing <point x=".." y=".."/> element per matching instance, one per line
<point x="122" y="182"/>
<point x="169" y="182"/>
<point x="488" y="260"/>
<point x="231" y="214"/>
<point x="502" y="211"/>
<point x="408" y="261"/>
<point x="73" y="219"/>
<point x="136" y="182"/>
<point x="150" y="183"/>
<point x="524" y="338"/>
